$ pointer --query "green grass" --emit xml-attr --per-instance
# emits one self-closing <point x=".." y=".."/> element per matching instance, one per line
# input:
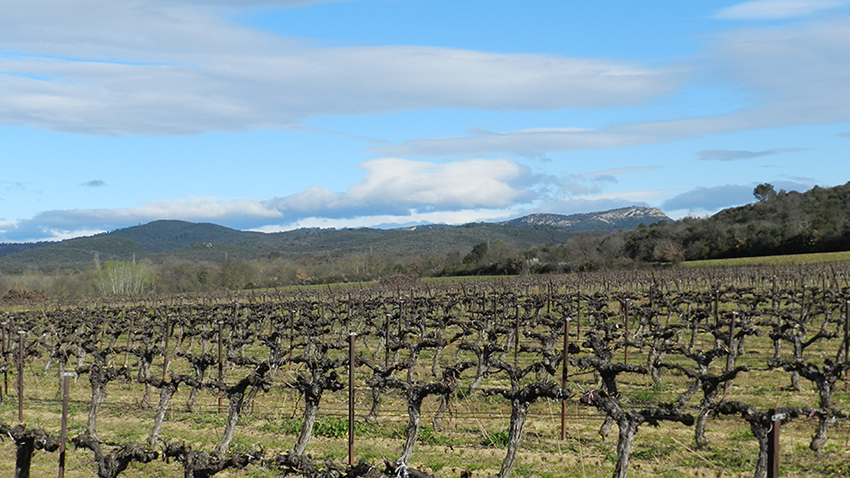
<point x="792" y="259"/>
<point x="498" y="439"/>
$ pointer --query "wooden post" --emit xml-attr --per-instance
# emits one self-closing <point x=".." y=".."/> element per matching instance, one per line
<point x="63" y="436"/>
<point x="351" y="361"/>
<point x="846" y="343"/>
<point x="626" y="335"/>
<point x="716" y="305"/>
<point x="129" y="340"/>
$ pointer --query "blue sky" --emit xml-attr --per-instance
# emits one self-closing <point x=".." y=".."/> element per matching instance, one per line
<point x="277" y="114"/>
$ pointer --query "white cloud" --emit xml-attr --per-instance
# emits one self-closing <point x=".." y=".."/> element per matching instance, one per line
<point x="778" y="9"/>
<point x="588" y="203"/>
<point x="392" y="191"/>
<point x="398" y="185"/>
<point x="633" y="196"/>
<point x="106" y="67"/>
<point x="414" y="217"/>
<point x="794" y="75"/>
<point x="60" y="224"/>
<point x="523" y="142"/>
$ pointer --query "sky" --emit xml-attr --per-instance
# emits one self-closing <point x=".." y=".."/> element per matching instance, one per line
<point x="272" y="115"/>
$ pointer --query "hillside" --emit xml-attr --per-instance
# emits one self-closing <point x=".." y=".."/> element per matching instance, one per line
<point x="613" y="220"/>
<point x="779" y="223"/>
<point x="159" y="240"/>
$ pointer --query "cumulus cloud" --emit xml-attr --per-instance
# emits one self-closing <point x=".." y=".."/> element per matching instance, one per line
<point x="732" y="155"/>
<point x="392" y="221"/>
<point x="394" y="186"/>
<point x="778" y="9"/>
<point x="391" y="189"/>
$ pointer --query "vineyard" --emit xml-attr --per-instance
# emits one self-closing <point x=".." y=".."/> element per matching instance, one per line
<point x="668" y="373"/>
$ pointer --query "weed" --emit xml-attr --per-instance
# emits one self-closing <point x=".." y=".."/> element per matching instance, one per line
<point x="325" y="427"/>
<point x="498" y="439"/>
<point x="429" y="436"/>
<point x="759" y="391"/>
<point x="648" y="395"/>
<point x="653" y="450"/>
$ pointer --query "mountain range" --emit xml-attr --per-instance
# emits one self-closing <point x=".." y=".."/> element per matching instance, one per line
<point x="162" y="239"/>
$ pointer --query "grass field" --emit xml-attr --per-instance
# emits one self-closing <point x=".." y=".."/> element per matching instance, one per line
<point x="791" y="259"/>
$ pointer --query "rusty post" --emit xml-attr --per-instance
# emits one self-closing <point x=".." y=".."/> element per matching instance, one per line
<point x="351" y="362"/>
<point x="564" y="374"/>
<point x="220" y="362"/>
<point x="846" y="343"/>
<point x="387" y="341"/>
<point x="732" y="351"/>
<point x="3" y="345"/>
<point x="578" y="315"/>
<point x="165" y="350"/>
<point x="21" y="341"/>
<point x="291" y="337"/>
<point x="516" y="336"/>
<point x="773" y="444"/>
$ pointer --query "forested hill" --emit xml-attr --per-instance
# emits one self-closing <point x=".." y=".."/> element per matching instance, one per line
<point x="778" y="223"/>
<point x="209" y="242"/>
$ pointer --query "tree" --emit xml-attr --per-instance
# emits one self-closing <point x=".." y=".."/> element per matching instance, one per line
<point x="764" y="192"/>
<point x="477" y="254"/>
<point x="124" y="278"/>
